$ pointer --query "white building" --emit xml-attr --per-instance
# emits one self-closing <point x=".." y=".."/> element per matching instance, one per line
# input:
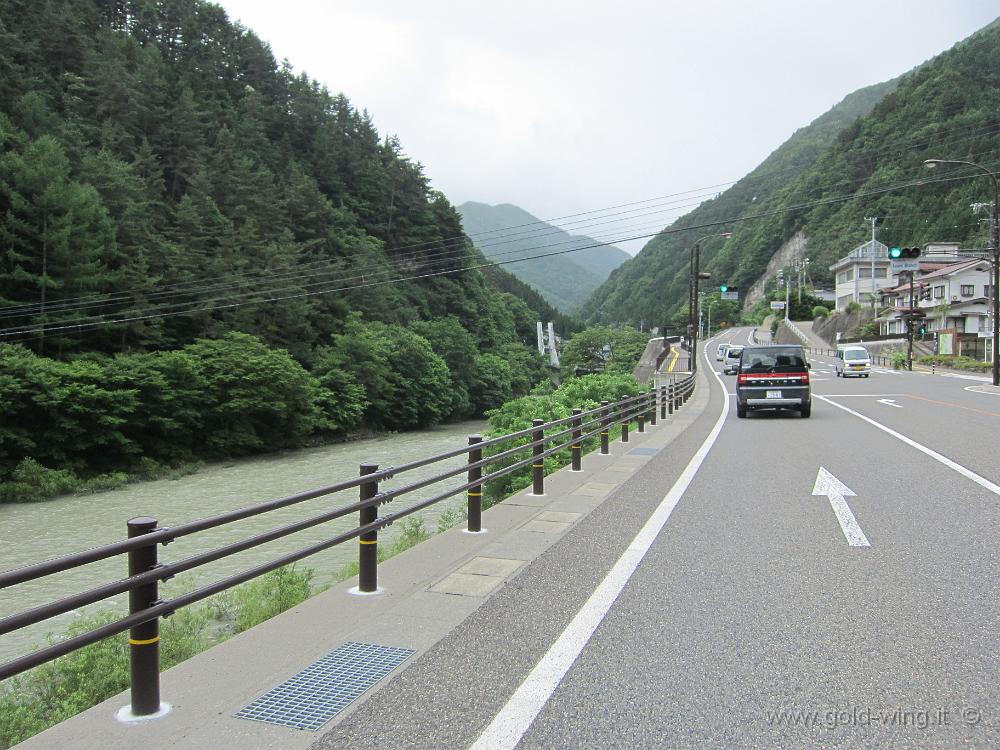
<point x="853" y="274"/>
<point x="955" y="300"/>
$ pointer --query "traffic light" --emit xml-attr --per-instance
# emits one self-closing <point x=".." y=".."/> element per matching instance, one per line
<point x="726" y="288"/>
<point x="896" y="253"/>
<point x="723" y="288"/>
<point x="922" y="329"/>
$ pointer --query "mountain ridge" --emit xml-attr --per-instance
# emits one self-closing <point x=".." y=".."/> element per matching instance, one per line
<point x="506" y="232"/>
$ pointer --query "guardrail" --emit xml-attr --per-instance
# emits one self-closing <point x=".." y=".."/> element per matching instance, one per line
<point x="145" y="571"/>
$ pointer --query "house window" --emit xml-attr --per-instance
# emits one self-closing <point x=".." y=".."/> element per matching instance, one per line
<point x="988" y="290"/>
<point x="968" y="290"/>
<point x="939" y="292"/>
<point x="880" y="273"/>
<point x="844" y="276"/>
<point x="864" y="273"/>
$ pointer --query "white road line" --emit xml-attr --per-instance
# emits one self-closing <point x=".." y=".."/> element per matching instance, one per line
<point x="862" y="395"/>
<point x="979" y="389"/>
<point x="517" y="715"/>
<point x="968" y="473"/>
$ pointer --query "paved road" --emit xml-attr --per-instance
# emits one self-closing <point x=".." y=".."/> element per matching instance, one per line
<point x="749" y="619"/>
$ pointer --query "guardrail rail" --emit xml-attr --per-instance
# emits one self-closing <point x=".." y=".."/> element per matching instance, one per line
<point x="144" y="535"/>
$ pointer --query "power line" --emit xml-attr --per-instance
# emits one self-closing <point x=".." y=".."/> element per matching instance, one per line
<point x="446" y="248"/>
<point x="95" y="321"/>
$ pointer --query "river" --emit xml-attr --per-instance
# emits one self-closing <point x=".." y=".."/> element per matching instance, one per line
<point x="38" y="531"/>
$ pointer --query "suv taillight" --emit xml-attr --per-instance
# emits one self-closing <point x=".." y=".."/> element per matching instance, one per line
<point x="741" y="379"/>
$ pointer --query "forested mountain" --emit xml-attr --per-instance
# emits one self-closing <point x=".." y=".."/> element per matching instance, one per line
<point x="178" y="211"/>
<point x="863" y="158"/>
<point x="156" y="159"/>
<point x="506" y="232"/>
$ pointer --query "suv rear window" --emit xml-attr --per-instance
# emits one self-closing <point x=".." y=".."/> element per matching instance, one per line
<point x="773" y="359"/>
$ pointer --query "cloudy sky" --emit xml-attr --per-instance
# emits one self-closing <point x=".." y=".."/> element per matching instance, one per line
<point x="562" y="107"/>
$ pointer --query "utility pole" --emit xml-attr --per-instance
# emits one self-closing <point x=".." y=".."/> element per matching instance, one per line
<point x="873" y="219"/>
<point x="788" y="288"/>
<point x="694" y="308"/>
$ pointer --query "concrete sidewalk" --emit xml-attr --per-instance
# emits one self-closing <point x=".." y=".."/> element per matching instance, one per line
<point x="427" y="591"/>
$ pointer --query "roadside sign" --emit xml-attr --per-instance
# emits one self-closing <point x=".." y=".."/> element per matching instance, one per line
<point x="900" y="266"/>
<point x="729" y="295"/>
<point x="777" y="305"/>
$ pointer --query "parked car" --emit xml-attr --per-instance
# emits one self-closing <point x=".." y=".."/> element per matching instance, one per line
<point x="720" y="353"/>
<point x="732" y="361"/>
<point x="853" y="360"/>
<point x="773" y="377"/>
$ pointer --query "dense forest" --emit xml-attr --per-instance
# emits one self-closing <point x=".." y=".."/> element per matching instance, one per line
<point x="862" y="158"/>
<point x="173" y="204"/>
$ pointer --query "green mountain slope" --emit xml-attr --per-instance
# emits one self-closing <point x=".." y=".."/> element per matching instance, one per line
<point x="820" y="185"/>
<point x="653" y="285"/>
<point x="506" y="232"/>
<point x="163" y="178"/>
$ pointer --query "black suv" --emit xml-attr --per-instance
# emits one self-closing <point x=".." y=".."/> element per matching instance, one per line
<point x="773" y="377"/>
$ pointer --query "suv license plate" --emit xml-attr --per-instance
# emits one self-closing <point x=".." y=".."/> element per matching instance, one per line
<point x="774" y="394"/>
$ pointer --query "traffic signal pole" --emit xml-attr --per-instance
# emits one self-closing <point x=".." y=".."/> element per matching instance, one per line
<point x="909" y="330"/>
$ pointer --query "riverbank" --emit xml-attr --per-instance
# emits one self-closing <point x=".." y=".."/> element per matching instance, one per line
<point x="36" y="531"/>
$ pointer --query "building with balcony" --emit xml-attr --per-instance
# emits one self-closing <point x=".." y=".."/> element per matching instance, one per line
<point x="954" y="299"/>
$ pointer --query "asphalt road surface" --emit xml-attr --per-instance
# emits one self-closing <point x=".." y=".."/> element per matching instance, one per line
<point x="766" y="582"/>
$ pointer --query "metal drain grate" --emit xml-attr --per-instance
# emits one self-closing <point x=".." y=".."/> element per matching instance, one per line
<point x="322" y="690"/>
<point x="644" y="451"/>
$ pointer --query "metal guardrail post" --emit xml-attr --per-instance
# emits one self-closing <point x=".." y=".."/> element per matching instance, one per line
<point x="663" y="402"/>
<point x="651" y="404"/>
<point x="606" y="424"/>
<point x="475" y="493"/>
<point x="368" y="542"/>
<point x="670" y="398"/>
<point x="537" y="463"/>
<point x="641" y="418"/>
<point x="576" y="449"/>
<point x="625" y="422"/>
<point x="144" y="639"/>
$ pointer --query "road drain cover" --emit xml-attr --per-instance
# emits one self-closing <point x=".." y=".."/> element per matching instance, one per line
<point x="323" y="689"/>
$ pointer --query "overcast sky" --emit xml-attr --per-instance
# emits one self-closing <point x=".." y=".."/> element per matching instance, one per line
<point x="561" y="107"/>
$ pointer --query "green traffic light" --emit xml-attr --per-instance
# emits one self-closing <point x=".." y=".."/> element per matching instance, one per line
<point x="723" y="288"/>
<point x="895" y="252"/>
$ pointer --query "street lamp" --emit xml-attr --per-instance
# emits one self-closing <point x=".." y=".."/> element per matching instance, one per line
<point x="693" y="316"/>
<point x="994" y="248"/>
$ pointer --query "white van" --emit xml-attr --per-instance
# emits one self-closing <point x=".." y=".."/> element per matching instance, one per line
<point x="720" y="353"/>
<point x="853" y="360"/>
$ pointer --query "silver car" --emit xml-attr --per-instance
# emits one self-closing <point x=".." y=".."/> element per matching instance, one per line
<point x="732" y="361"/>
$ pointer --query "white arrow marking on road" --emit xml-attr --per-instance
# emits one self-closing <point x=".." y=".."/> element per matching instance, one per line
<point x="827" y="484"/>
<point x="890" y="402"/>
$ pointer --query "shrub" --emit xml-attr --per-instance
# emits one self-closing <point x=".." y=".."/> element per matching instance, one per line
<point x="30" y="481"/>
<point x="270" y="595"/>
<point x="821" y="311"/>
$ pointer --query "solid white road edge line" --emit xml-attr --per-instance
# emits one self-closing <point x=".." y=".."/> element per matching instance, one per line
<point x="517" y="715"/>
<point x="968" y="473"/>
